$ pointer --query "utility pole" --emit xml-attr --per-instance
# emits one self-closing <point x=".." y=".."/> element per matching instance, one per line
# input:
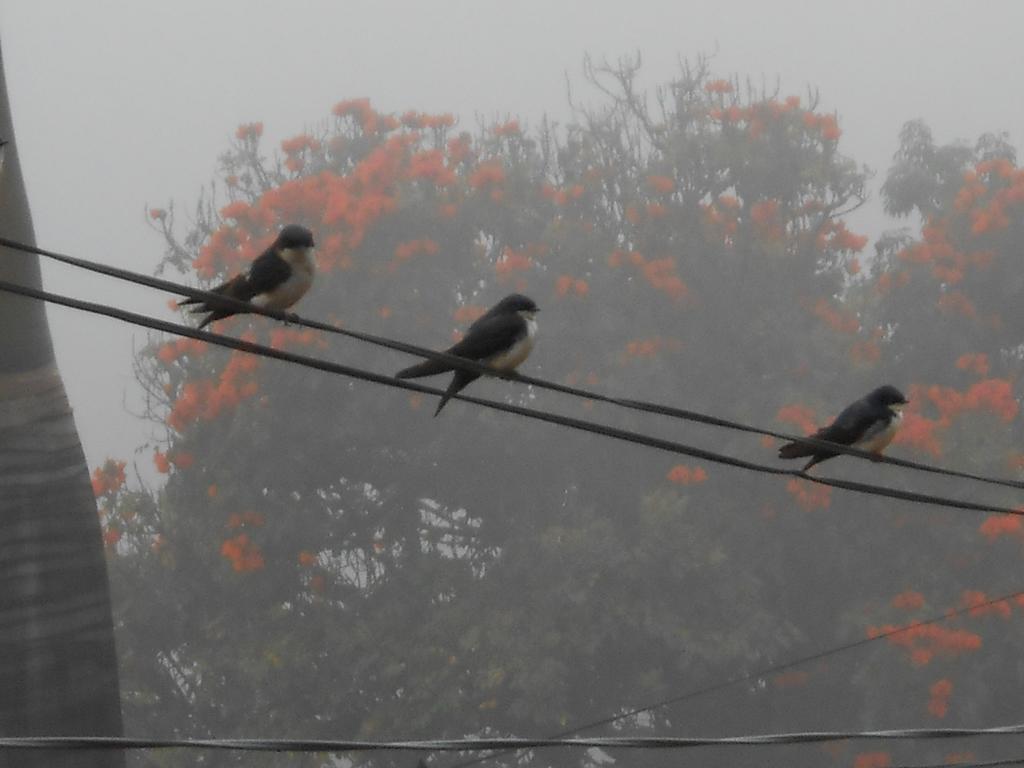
<point x="58" y="667"/>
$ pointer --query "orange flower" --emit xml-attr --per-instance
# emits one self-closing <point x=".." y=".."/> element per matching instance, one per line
<point x="1001" y="525"/>
<point x="211" y="491"/>
<point x="995" y="395"/>
<point x="182" y="460"/>
<point x="763" y="211"/>
<point x="108" y="478"/>
<point x="299" y="143"/>
<point x="163" y="466"/>
<point x="975" y="363"/>
<point x="872" y="760"/>
<point x="430" y="165"/>
<point x="511" y="261"/>
<point x="940" y="692"/>
<point x="718" y="86"/>
<point x="351" y="106"/>
<point x="663" y="185"/>
<point x="459" y="148"/>
<point x="307" y="559"/>
<point x="980" y="605"/>
<point x="562" y="285"/>
<point x="808" y="496"/>
<point x="838" y="320"/>
<point x="249" y="131"/>
<point x="488" y="173"/>
<point x="468" y="313"/>
<point x="866" y="352"/>
<point x="167" y="354"/>
<point x="243" y="553"/>
<point x="660" y="273"/>
<point x="829" y="128"/>
<point x="908" y="600"/>
<point x="511" y="128"/>
<point x="923" y="641"/>
<point x="799" y="415"/>
<point x="681" y="474"/>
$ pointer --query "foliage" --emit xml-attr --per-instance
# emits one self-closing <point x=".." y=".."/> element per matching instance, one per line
<point x="325" y="559"/>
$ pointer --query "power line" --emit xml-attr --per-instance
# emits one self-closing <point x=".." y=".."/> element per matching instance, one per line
<point x="470" y="365"/>
<point x="251" y="348"/>
<point x="505" y="743"/>
<point x="986" y="764"/>
<point x="764" y="672"/>
<point x="552" y="418"/>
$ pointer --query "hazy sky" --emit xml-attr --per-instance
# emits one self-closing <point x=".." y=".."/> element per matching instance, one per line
<point x="122" y="103"/>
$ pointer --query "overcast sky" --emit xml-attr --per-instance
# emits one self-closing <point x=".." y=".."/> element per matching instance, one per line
<point x="122" y="103"/>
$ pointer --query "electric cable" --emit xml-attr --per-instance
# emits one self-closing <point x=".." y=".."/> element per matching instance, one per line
<point x="470" y="365"/>
<point x="539" y="415"/>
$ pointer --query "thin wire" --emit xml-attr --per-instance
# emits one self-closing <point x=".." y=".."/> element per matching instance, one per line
<point x="566" y="421"/>
<point x="457" y="745"/>
<point x="504" y="743"/>
<point x="765" y="672"/>
<point x="470" y="365"/>
<point x="987" y="764"/>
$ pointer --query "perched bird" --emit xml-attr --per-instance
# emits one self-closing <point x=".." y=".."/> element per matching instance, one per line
<point x="276" y="279"/>
<point x="869" y="424"/>
<point x="502" y="338"/>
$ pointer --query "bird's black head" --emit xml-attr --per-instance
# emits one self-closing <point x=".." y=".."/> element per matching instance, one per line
<point x="294" y="236"/>
<point x="888" y="395"/>
<point x="516" y="302"/>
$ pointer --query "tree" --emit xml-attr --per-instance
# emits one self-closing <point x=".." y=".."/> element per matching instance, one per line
<point x="340" y="563"/>
<point x="58" y="662"/>
<point x="948" y="299"/>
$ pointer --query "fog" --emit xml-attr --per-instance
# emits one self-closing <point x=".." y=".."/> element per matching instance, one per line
<point x="120" y="106"/>
<point x="145" y="95"/>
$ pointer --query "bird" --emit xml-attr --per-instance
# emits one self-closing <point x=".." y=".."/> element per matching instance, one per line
<point x="502" y="338"/>
<point x="868" y="424"/>
<point x="276" y="279"/>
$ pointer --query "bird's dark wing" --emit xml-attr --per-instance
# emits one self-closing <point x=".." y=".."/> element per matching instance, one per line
<point x="489" y="336"/>
<point x="267" y="272"/>
<point x="236" y="288"/>
<point x="426" y="368"/>
<point x="459" y="382"/>
<point x="850" y="425"/>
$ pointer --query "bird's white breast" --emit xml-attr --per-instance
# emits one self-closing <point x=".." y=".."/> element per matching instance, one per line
<point x="877" y="438"/>
<point x="298" y="283"/>
<point x="511" y="358"/>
